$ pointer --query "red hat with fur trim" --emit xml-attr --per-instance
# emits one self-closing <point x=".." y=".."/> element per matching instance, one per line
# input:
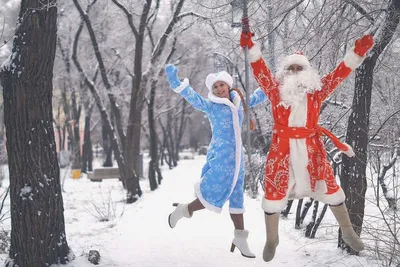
<point x="297" y="58"/>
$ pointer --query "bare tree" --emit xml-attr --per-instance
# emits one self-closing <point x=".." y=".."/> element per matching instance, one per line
<point x="71" y="106"/>
<point x="37" y="214"/>
<point x="353" y="177"/>
<point x="128" y="176"/>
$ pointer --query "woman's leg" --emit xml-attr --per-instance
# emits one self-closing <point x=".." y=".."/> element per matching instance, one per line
<point x="240" y="236"/>
<point x="238" y="221"/>
<point x="236" y="211"/>
<point x="195" y="205"/>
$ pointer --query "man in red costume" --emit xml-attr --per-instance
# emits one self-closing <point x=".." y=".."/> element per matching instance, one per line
<point x="296" y="165"/>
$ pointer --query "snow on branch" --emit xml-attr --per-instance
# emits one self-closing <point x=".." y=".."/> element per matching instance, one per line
<point x="129" y="17"/>
<point x="380" y="127"/>
<point x="386" y="29"/>
<point x="176" y="18"/>
<point x="337" y="103"/>
<point x="361" y="10"/>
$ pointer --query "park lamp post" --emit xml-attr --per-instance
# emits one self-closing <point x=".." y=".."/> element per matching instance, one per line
<point x="237" y="13"/>
<point x="240" y="19"/>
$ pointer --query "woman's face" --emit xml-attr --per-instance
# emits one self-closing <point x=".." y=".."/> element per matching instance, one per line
<point x="221" y="89"/>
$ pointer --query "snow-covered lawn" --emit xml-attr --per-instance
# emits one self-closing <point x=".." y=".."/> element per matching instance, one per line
<point x="139" y="234"/>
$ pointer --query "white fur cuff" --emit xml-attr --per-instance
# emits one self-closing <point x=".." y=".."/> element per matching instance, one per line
<point x="352" y="60"/>
<point x="332" y="199"/>
<point x="236" y="211"/>
<point x="181" y="87"/>
<point x="254" y="53"/>
<point x="320" y="187"/>
<point x="350" y="152"/>
<point x="272" y="206"/>
<point x="205" y="203"/>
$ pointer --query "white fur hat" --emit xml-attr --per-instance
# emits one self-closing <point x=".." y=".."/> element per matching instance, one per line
<point x="222" y="76"/>
<point x="297" y="58"/>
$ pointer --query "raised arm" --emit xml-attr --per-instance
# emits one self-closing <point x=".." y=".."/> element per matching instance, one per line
<point x="261" y="72"/>
<point x="351" y="61"/>
<point x="184" y="89"/>
<point x="257" y="97"/>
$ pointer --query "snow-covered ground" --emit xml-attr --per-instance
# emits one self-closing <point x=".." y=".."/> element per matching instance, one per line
<point x="139" y="234"/>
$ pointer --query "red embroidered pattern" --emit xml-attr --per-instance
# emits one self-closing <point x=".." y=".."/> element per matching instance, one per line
<point x="276" y="179"/>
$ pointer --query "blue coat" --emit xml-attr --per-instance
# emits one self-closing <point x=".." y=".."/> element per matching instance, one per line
<point x="222" y="177"/>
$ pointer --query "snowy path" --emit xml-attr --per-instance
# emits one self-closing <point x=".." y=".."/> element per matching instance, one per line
<point x="142" y="237"/>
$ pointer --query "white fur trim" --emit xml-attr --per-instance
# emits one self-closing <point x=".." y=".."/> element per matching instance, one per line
<point x="221" y="76"/>
<point x="236" y="211"/>
<point x="320" y="187"/>
<point x="255" y="53"/>
<point x="350" y="152"/>
<point x="352" y="60"/>
<point x="205" y="203"/>
<point x="295" y="59"/>
<point x="332" y="199"/>
<point x="298" y="156"/>
<point x="272" y="206"/>
<point x="183" y="85"/>
<point x="220" y="100"/>
<point x="236" y="128"/>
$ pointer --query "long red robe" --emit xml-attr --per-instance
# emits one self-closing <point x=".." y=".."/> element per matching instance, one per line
<point x="308" y="170"/>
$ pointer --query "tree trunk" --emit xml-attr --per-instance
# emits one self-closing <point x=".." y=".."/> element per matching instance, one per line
<point x="107" y="149"/>
<point x="381" y="180"/>
<point x="298" y="214"/>
<point x="286" y="211"/>
<point x="37" y="214"/>
<point x="76" y="114"/>
<point x="311" y="224"/>
<point x="2" y="145"/>
<point x="165" y="146"/>
<point x="87" y="154"/>
<point x="153" y="164"/>
<point x="72" y="114"/>
<point x="353" y="179"/>
<point x="128" y="177"/>
<point x="318" y="222"/>
<point x="304" y="212"/>
<point x="64" y="129"/>
<point x="132" y="147"/>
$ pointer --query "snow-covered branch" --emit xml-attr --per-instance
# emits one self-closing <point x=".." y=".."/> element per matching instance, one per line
<point x="380" y="127"/>
<point x="128" y="16"/>
<point x="361" y="10"/>
<point x="161" y="43"/>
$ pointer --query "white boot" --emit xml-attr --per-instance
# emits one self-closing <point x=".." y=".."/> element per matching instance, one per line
<point x="240" y="241"/>
<point x="180" y="212"/>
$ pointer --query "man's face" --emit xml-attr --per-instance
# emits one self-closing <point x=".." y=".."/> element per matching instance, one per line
<point x="294" y="68"/>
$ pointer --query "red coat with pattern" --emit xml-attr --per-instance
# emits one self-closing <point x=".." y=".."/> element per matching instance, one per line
<point x="277" y="166"/>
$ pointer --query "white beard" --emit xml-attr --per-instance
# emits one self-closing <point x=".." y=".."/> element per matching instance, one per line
<point x="294" y="88"/>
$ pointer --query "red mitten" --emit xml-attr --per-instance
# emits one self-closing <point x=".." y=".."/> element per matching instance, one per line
<point x="245" y="39"/>
<point x="363" y="45"/>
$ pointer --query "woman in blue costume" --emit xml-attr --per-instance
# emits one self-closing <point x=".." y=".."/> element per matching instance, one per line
<point x="222" y="177"/>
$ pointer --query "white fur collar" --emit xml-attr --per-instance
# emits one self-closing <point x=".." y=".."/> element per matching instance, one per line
<point x="232" y="104"/>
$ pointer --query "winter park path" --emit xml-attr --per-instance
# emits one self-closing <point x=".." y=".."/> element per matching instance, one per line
<point x="141" y="236"/>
